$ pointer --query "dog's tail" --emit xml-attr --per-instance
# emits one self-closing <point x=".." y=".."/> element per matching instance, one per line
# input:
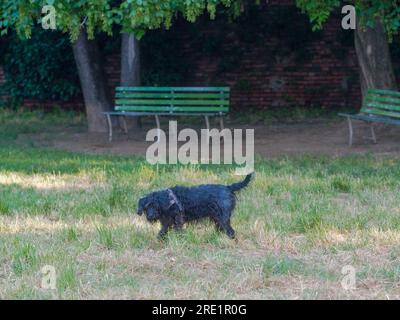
<point x="240" y="185"/>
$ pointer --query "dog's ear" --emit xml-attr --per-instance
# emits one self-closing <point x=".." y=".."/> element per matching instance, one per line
<point x="143" y="204"/>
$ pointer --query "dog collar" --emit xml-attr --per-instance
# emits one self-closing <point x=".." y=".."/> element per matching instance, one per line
<point x="174" y="200"/>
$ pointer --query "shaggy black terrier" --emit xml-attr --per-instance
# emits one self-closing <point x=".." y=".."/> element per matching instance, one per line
<point x="176" y="206"/>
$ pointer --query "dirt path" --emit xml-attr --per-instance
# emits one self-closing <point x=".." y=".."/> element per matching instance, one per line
<point x="316" y="137"/>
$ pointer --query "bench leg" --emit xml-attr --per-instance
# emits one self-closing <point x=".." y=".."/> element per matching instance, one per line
<point x="158" y="128"/>
<point x="110" y="132"/>
<point x="373" y="135"/>
<point x="350" y="131"/>
<point x="125" y="126"/>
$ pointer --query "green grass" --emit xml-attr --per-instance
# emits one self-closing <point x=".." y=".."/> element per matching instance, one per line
<point x="67" y="279"/>
<point x="24" y="259"/>
<point x="300" y="221"/>
<point x="105" y="237"/>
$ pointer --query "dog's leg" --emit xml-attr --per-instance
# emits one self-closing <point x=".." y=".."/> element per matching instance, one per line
<point x="225" y="225"/>
<point x="179" y="221"/>
<point x="164" y="230"/>
<point x="218" y="225"/>
<point x="229" y="230"/>
<point x="178" y="227"/>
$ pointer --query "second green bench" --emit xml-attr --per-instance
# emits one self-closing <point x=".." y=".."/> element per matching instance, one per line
<point x="381" y="106"/>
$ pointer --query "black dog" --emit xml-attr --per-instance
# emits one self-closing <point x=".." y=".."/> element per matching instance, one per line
<point x="173" y="207"/>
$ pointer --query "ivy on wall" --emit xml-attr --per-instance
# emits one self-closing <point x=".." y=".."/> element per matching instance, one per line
<point x="42" y="67"/>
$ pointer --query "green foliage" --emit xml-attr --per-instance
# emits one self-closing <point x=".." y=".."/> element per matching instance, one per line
<point x="100" y="15"/>
<point x="319" y="11"/>
<point x="41" y="67"/>
<point x="367" y="12"/>
<point x="142" y="15"/>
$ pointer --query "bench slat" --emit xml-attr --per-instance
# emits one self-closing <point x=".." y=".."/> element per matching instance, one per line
<point x="173" y="95"/>
<point x="381" y="112"/>
<point x="173" y="109"/>
<point x="383" y="99"/>
<point x="173" y="102"/>
<point x="175" y="89"/>
<point x="143" y="108"/>
<point x="384" y="92"/>
<point x="380" y="106"/>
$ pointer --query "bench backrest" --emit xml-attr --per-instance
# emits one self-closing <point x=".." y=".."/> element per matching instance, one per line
<point x="382" y="103"/>
<point x="173" y="99"/>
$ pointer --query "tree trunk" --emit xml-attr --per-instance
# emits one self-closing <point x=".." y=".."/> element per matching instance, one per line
<point x="130" y="65"/>
<point x="374" y="59"/>
<point x="94" y="87"/>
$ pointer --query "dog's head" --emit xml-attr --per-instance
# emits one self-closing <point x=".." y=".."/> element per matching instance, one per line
<point x="143" y="204"/>
<point x="155" y="205"/>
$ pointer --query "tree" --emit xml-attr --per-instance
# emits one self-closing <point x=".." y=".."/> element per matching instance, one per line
<point x="93" y="84"/>
<point x="130" y="60"/>
<point x="376" y="70"/>
<point x="377" y="22"/>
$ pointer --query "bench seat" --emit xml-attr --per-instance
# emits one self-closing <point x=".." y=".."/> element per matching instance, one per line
<point x="369" y="118"/>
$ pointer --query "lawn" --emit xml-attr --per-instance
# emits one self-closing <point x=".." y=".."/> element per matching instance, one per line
<point x="298" y="224"/>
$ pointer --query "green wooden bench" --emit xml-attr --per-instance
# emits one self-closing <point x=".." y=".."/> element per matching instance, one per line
<point x="170" y="101"/>
<point x="379" y="106"/>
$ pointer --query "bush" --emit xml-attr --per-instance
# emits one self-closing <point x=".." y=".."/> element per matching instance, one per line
<point x="42" y="67"/>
